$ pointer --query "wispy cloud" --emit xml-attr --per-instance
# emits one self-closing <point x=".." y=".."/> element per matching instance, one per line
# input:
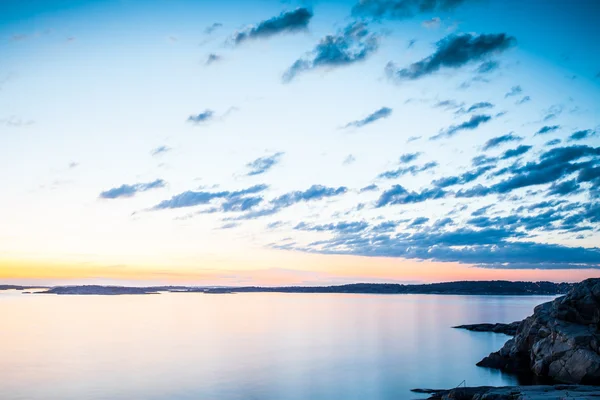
<point x="291" y="21"/>
<point x="547" y="129"/>
<point x="401" y="9"/>
<point x="160" y="150"/>
<point x="499" y="140"/>
<point x="453" y="52"/>
<point x="131" y="190"/>
<point x="514" y="91"/>
<point x="204" y="116"/>
<point x="383" y="112"/>
<point x="213" y="27"/>
<point x="352" y="44"/>
<point x="263" y="164"/>
<point x="474" y="122"/>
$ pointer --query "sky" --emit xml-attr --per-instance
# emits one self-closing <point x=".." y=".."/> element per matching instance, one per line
<point x="299" y="142"/>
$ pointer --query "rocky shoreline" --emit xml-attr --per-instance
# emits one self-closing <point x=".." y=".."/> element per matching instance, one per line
<point x="560" y="343"/>
<point x="538" y="392"/>
<point x="507" y="329"/>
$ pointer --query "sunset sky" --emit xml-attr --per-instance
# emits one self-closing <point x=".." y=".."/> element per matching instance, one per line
<point x="299" y="142"/>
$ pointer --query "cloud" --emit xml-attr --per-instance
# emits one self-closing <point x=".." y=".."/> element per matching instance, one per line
<point x="564" y="188"/>
<point x="418" y="222"/>
<point x="286" y="22"/>
<point x="397" y="194"/>
<point x="160" y="150"/>
<point x="401" y="9"/>
<point x="383" y="112"/>
<point x="313" y="193"/>
<point x="350" y="159"/>
<point x="73" y="165"/>
<point x="463" y="178"/>
<point x="212" y="58"/>
<point x="553" y="142"/>
<point x="471" y="124"/>
<point x="263" y="164"/>
<point x="514" y="91"/>
<point x="547" y="129"/>
<point x="409" y="157"/>
<point x="130" y="190"/>
<point x="523" y="100"/>
<point x="351" y="45"/>
<point x="519" y="151"/>
<point x="340" y="227"/>
<point x="204" y="116"/>
<point x="194" y="198"/>
<point x="487" y="67"/>
<point x="432" y="23"/>
<point x="489" y="243"/>
<point x="580" y="135"/>
<point x="499" y="140"/>
<point x="448" y="104"/>
<point x="553" y="112"/>
<point x="413" y="170"/>
<point x="477" y="106"/>
<point x="213" y="27"/>
<point x="369" y="188"/>
<point x="453" y="52"/>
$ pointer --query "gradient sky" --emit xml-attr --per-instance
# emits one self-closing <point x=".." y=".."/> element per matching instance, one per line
<point x="266" y="142"/>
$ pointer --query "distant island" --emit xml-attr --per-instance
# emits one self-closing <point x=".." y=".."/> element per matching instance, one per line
<point x="505" y="288"/>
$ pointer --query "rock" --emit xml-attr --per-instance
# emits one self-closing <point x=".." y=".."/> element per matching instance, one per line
<point x="559" y="341"/>
<point x="557" y="392"/>
<point x="507" y="329"/>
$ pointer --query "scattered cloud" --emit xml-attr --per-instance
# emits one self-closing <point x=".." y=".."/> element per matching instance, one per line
<point x="483" y="105"/>
<point x="350" y="159"/>
<point x="212" y="58"/>
<point x="398" y="194"/>
<point x="581" y="135"/>
<point x="351" y="45"/>
<point x="383" y="112"/>
<point x="160" y="150"/>
<point x="131" y="190"/>
<point x="401" y="9"/>
<point x="547" y="129"/>
<point x="432" y="23"/>
<point x="413" y="170"/>
<point x="263" y="164"/>
<point x="204" y="116"/>
<point x="553" y="142"/>
<point x="370" y="188"/>
<point x="471" y="124"/>
<point x="286" y="22"/>
<point x="213" y="27"/>
<point x="514" y="91"/>
<point x="487" y="67"/>
<point x="519" y="151"/>
<point x="523" y="100"/>
<point x="409" y="157"/>
<point x="195" y="198"/>
<point x="454" y="51"/>
<point x="499" y="140"/>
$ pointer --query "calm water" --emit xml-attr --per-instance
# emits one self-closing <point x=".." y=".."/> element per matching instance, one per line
<point x="246" y="346"/>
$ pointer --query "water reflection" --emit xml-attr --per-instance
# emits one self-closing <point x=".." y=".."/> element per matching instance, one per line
<point x="246" y="346"/>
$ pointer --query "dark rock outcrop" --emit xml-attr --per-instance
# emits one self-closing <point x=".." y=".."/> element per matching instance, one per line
<point x="557" y="392"/>
<point x="507" y="329"/>
<point x="560" y="341"/>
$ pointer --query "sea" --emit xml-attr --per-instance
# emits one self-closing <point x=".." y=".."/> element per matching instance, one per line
<point x="248" y="346"/>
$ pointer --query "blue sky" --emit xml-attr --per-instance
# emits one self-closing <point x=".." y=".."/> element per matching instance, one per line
<point x="199" y="139"/>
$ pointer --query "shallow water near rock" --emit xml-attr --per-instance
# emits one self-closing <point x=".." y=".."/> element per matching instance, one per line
<point x="247" y="346"/>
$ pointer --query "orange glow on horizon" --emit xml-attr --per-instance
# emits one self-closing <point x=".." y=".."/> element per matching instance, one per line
<point x="291" y="269"/>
